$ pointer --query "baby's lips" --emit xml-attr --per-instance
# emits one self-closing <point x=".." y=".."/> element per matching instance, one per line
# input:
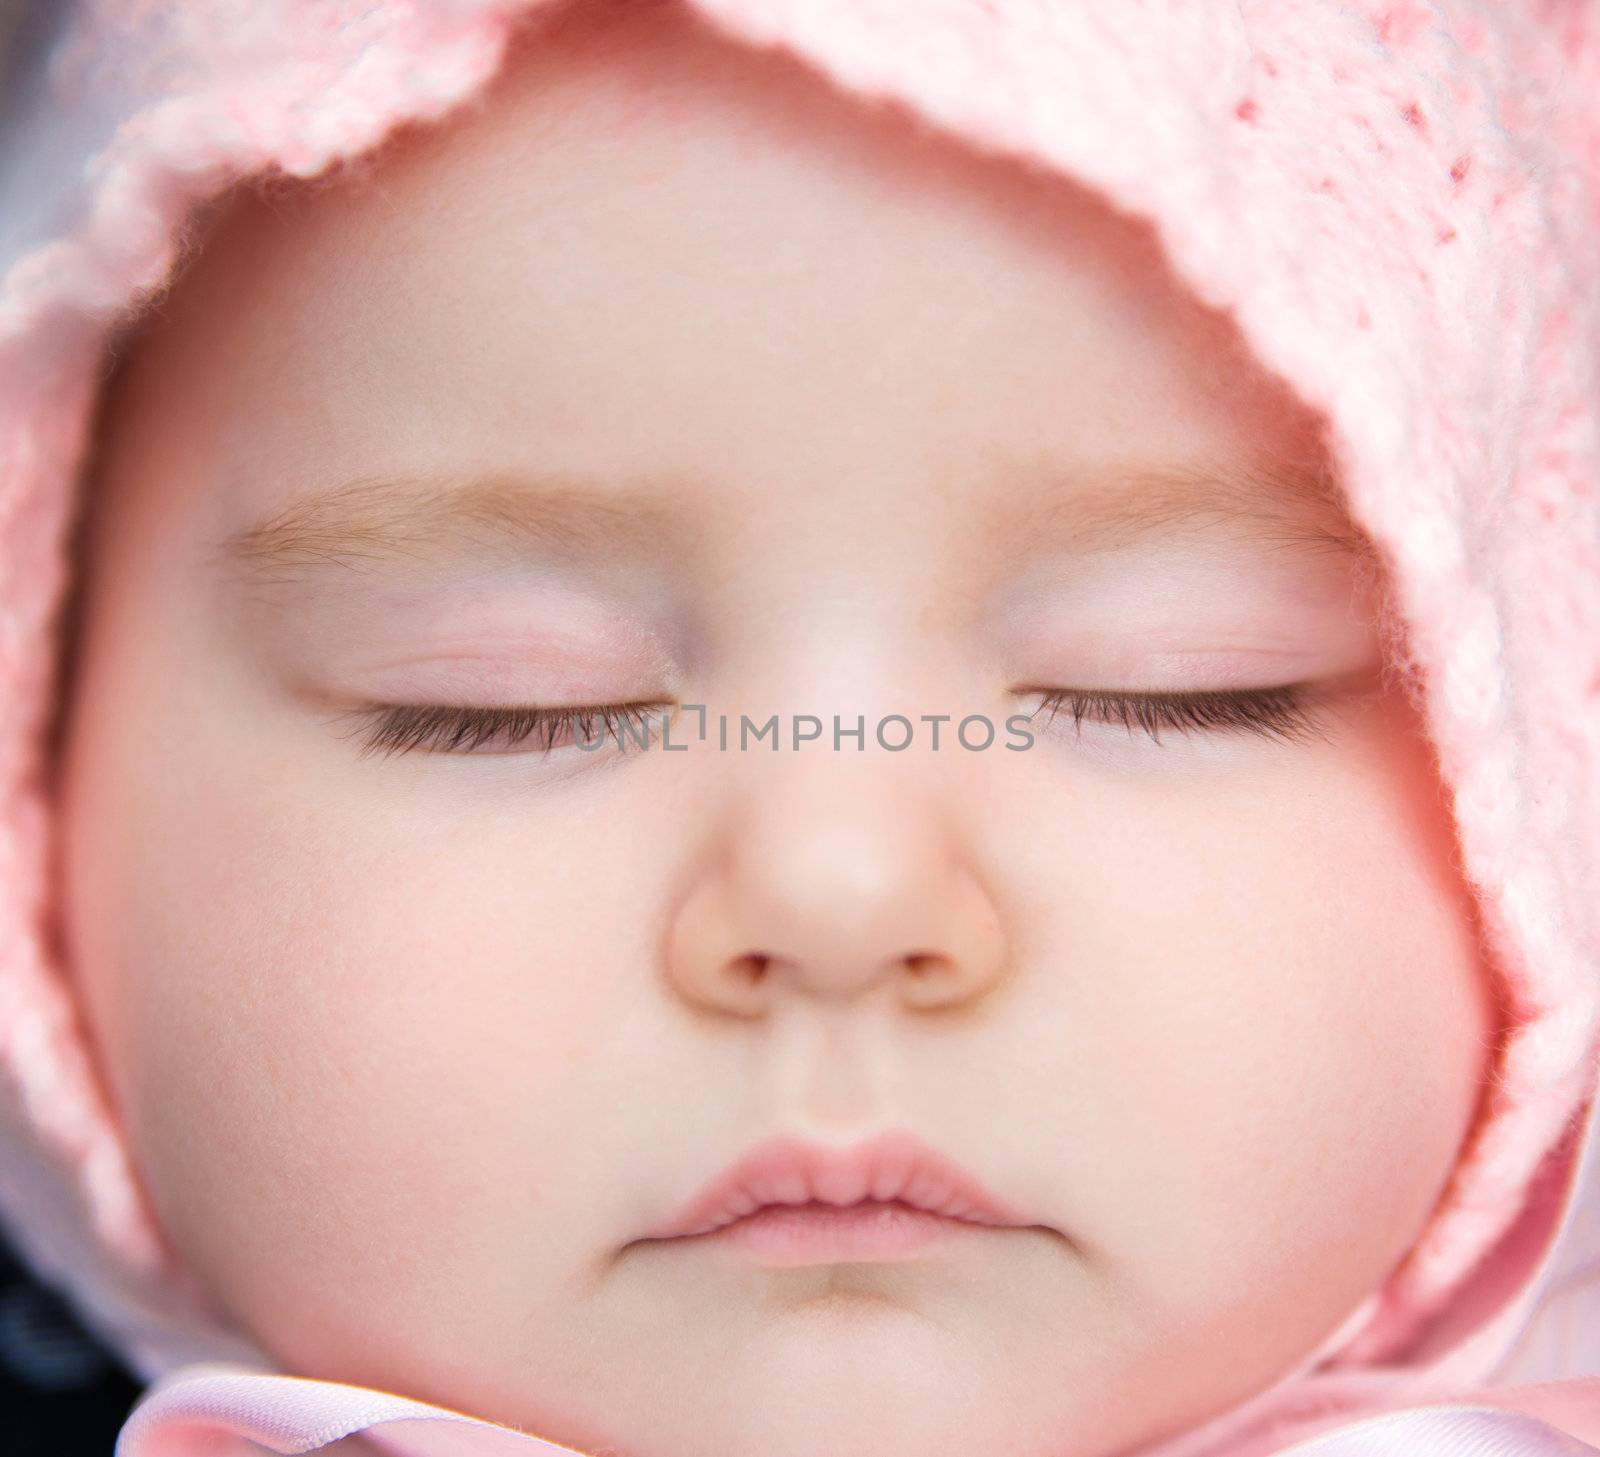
<point x="787" y="1169"/>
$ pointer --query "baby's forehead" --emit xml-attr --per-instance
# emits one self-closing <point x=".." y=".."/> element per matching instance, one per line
<point x="661" y="251"/>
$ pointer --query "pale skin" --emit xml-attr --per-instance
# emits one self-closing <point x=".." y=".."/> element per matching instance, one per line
<point x="411" y="1049"/>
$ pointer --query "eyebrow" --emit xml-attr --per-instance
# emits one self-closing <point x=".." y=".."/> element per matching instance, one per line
<point x="367" y="521"/>
<point x="1285" y="504"/>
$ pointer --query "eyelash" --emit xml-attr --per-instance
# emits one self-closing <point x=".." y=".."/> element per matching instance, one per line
<point x="1276" y="713"/>
<point x="442" y="728"/>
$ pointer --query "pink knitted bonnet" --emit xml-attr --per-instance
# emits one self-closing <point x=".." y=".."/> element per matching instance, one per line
<point x="1397" y="202"/>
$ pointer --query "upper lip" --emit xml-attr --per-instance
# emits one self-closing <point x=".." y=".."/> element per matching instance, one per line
<point x="895" y="1165"/>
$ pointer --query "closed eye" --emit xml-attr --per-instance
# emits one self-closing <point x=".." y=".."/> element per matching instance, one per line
<point x="1280" y="712"/>
<point x="400" y="728"/>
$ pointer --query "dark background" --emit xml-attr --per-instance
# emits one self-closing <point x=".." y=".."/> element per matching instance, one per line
<point x="62" y="1394"/>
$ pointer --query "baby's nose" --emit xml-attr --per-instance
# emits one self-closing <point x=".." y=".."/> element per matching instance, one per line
<point x="831" y="881"/>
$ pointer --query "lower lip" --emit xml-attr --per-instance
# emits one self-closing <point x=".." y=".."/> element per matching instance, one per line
<point x="816" y="1233"/>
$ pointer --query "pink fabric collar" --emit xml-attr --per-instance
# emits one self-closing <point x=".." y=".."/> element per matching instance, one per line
<point x="201" y="1411"/>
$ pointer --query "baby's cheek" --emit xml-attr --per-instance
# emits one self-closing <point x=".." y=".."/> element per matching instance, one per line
<point x="1301" y="1030"/>
<point x="1256" y="1027"/>
<point x="362" y="1045"/>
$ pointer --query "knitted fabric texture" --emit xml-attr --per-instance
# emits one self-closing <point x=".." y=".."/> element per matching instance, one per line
<point x="1398" y="204"/>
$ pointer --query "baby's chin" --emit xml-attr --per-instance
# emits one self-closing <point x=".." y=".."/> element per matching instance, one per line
<point x="840" y="1362"/>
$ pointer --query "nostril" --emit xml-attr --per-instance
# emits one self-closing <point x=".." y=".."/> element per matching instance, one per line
<point x="753" y="965"/>
<point x="923" y="963"/>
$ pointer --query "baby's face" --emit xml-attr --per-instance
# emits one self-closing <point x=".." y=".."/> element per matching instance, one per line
<point x="671" y="377"/>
